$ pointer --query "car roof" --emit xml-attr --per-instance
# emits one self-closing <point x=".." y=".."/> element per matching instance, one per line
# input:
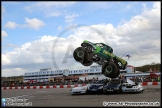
<point x="95" y="84"/>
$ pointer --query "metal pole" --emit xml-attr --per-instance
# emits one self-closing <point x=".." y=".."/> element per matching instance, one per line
<point x="134" y="71"/>
<point x="134" y="67"/>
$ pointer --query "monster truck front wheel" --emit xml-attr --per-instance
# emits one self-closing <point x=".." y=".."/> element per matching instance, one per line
<point x="86" y="61"/>
<point x="116" y="75"/>
<point x="78" y="54"/>
<point x="109" y="69"/>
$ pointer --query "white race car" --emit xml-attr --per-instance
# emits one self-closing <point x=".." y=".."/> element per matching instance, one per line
<point x="79" y="90"/>
<point x="130" y="86"/>
<point x="89" y="88"/>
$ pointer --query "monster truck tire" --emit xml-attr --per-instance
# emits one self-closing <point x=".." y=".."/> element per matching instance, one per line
<point x="109" y="69"/>
<point x="116" y="75"/>
<point x="85" y="60"/>
<point x="79" y="54"/>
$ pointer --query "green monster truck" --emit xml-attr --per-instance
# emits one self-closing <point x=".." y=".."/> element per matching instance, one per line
<point x="101" y="54"/>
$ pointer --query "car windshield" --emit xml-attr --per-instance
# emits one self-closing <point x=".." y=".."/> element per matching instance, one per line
<point x="89" y="85"/>
<point x="130" y="82"/>
<point x="100" y="82"/>
<point x="114" y="82"/>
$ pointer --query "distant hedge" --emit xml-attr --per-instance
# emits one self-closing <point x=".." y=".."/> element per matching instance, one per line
<point x="146" y="68"/>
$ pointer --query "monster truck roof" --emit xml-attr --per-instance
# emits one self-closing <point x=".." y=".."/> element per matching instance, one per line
<point x="99" y="44"/>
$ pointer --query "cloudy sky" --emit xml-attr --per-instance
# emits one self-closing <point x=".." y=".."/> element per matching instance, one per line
<point x="38" y="35"/>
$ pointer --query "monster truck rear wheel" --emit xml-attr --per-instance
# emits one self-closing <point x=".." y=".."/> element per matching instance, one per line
<point x="78" y="54"/>
<point x="109" y="69"/>
<point x="85" y="60"/>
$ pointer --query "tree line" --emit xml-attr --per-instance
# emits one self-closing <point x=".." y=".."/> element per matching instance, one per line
<point x="153" y="66"/>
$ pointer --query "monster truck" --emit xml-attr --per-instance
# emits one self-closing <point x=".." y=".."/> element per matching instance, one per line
<point x="101" y="54"/>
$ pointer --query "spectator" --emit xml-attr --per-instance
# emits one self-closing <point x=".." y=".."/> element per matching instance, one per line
<point x="106" y="81"/>
<point x="158" y="78"/>
<point x="70" y="81"/>
<point x="85" y="79"/>
<point x="141" y="80"/>
<point x="12" y="84"/>
<point x="123" y="80"/>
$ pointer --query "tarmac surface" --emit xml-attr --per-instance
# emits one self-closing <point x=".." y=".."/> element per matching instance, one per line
<point x="56" y="97"/>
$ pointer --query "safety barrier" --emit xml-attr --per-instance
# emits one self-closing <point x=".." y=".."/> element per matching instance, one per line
<point x="150" y="83"/>
<point x="65" y="86"/>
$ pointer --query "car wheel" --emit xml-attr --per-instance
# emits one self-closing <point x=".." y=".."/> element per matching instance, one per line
<point x="101" y="91"/>
<point x="73" y="94"/>
<point x="120" y="90"/>
<point x="87" y="91"/>
<point x="142" y="91"/>
<point x="109" y="69"/>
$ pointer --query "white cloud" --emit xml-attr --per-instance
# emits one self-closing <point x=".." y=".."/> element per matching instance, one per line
<point x="11" y="24"/>
<point x="30" y="23"/>
<point x="49" y="9"/>
<point x="3" y="9"/>
<point x="157" y="5"/>
<point x="142" y="40"/>
<point x="5" y="60"/>
<point x="33" y="23"/>
<point x="70" y="17"/>
<point x="17" y="72"/>
<point x="3" y="33"/>
<point x="144" y="6"/>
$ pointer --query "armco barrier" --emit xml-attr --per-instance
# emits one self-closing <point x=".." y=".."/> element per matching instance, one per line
<point x="150" y="83"/>
<point x="65" y="86"/>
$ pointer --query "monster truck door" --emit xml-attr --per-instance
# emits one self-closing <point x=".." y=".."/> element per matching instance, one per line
<point x="100" y="53"/>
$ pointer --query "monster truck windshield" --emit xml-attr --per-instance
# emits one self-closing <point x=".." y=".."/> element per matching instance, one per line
<point x="108" y="48"/>
<point x="100" y="45"/>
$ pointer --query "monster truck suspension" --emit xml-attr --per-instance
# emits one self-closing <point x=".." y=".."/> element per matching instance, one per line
<point x="88" y="47"/>
<point x="101" y="61"/>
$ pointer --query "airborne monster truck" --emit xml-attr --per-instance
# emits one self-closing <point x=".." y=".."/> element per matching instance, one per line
<point x="101" y="54"/>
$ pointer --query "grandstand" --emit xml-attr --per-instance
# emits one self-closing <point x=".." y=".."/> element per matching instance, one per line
<point x="94" y="72"/>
